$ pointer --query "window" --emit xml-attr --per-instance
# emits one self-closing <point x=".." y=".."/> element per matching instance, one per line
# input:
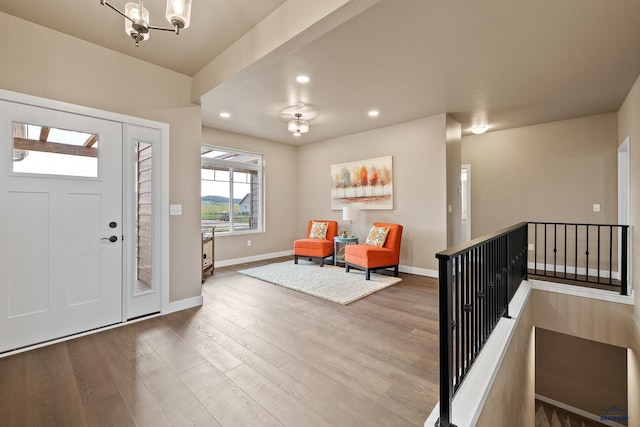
<point x="52" y="151"/>
<point x="231" y="183"/>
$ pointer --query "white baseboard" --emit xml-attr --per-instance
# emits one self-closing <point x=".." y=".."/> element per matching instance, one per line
<point x="183" y="304"/>
<point x="418" y="271"/>
<point x="582" y="291"/>
<point x="261" y="257"/>
<point x="235" y="261"/>
<point x="577" y="411"/>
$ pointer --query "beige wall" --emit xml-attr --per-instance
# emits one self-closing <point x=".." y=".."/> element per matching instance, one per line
<point x="587" y="318"/>
<point x="454" y="141"/>
<point x="280" y="191"/>
<point x="629" y="126"/>
<point x="551" y="172"/>
<point x="595" y="320"/>
<point x="581" y="373"/>
<point x="49" y="64"/>
<point x="418" y="148"/>
<point x="511" y="399"/>
<point x="184" y="189"/>
<point x="42" y="62"/>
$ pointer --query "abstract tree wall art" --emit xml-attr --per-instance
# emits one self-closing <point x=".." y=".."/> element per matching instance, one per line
<point x="369" y="183"/>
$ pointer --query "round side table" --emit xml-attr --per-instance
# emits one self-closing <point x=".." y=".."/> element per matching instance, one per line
<point x="339" y="244"/>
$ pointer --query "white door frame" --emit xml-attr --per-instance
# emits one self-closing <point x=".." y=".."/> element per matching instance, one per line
<point x="141" y="304"/>
<point x="161" y="219"/>
<point x="623" y="199"/>
<point x="467" y="201"/>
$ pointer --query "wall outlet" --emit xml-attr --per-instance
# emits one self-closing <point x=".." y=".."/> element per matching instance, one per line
<point x="175" y="209"/>
<point x="248" y="242"/>
<point x="531" y="246"/>
<point x="596" y="207"/>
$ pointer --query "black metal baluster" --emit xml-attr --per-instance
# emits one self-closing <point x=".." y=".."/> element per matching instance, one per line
<point x="598" y="256"/>
<point x="565" y="251"/>
<point x="456" y="340"/>
<point x="610" y="254"/>
<point x="575" y="261"/>
<point x="623" y="265"/>
<point x="555" y="249"/>
<point x="587" y="256"/>
<point x="535" y="250"/>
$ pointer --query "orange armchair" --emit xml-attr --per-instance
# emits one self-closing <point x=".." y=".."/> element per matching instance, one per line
<point x="314" y="247"/>
<point x="369" y="258"/>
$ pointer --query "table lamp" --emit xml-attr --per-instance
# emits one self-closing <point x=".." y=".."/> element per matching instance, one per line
<point x="350" y="213"/>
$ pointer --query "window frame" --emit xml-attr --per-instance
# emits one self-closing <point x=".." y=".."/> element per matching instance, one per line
<point x="233" y="166"/>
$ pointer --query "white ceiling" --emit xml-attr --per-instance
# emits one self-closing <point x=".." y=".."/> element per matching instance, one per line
<point x="510" y="63"/>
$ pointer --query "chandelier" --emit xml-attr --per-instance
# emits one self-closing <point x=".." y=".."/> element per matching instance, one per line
<point x="298" y="126"/>
<point x="136" y="18"/>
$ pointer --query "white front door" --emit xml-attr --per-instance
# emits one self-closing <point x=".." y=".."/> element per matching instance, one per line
<point x="60" y="224"/>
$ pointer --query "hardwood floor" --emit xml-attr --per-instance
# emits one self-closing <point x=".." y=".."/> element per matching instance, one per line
<point x="254" y="354"/>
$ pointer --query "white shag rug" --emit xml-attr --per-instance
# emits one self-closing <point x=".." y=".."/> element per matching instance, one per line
<point x="329" y="282"/>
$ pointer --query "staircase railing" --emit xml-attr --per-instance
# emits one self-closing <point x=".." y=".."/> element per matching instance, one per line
<point x="478" y="279"/>
<point x="476" y="282"/>
<point x="592" y="254"/>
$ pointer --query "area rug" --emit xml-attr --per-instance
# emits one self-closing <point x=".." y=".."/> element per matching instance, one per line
<point x="329" y="282"/>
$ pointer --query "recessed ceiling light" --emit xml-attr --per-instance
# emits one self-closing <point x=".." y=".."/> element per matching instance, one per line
<point x="225" y="115"/>
<point x="303" y="79"/>
<point x="373" y="113"/>
<point x="478" y="129"/>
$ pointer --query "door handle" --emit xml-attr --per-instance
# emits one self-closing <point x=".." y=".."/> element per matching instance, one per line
<point x="112" y="239"/>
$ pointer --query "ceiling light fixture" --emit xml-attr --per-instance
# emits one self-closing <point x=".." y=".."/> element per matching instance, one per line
<point x="303" y="79"/>
<point x="225" y="115"/>
<point x="136" y="18"/>
<point x="478" y="129"/>
<point x="373" y="113"/>
<point x="298" y="126"/>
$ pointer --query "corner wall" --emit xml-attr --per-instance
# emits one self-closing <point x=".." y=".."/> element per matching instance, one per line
<point x="510" y="401"/>
<point x="629" y="125"/>
<point x="454" y="189"/>
<point x="419" y="155"/>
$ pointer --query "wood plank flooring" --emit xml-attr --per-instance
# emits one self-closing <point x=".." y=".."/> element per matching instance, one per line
<point x="254" y="354"/>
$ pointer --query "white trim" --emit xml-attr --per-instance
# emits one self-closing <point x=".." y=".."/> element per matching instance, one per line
<point x="581" y="291"/>
<point x="467" y="236"/>
<point x="471" y="396"/>
<point x="183" y="304"/>
<point x="235" y="261"/>
<point x="418" y="271"/>
<point x="261" y="257"/>
<point x="65" y="107"/>
<point x="577" y="411"/>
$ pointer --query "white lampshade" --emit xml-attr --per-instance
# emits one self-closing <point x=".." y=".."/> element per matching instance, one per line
<point x="179" y="13"/>
<point x="350" y="213"/>
<point x="132" y="11"/>
<point x="298" y="126"/>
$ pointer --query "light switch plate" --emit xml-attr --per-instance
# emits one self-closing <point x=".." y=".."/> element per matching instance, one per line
<point x="596" y="207"/>
<point x="175" y="209"/>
